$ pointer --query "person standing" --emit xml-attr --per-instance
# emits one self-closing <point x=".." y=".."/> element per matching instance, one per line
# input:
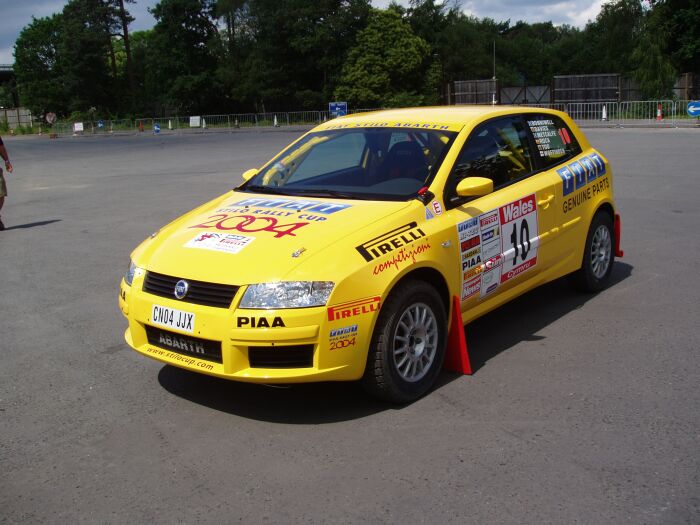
<point x="3" y="186"/>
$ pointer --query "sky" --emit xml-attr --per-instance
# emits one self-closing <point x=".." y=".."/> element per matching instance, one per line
<point x="15" y="14"/>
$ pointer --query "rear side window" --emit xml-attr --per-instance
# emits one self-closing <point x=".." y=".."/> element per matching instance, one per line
<point x="553" y="139"/>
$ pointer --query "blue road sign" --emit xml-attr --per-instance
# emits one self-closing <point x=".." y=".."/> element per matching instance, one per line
<point x="100" y="123"/>
<point x="156" y="128"/>
<point x="338" y="109"/>
<point x="694" y="108"/>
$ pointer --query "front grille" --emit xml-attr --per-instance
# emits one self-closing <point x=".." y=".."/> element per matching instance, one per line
<point x="207" y="294"/>
<point x="295" y="356"/>
<point x="184" y="344"/>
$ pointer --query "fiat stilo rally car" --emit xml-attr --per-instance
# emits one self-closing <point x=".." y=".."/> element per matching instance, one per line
<point x="352" y="253"/>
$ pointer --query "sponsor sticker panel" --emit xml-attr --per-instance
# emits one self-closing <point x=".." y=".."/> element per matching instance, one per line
<point x="343" y="337"/>
<point x="489" y="240"/>
<point x="471" y="288"/>
<point x="220" y="242"/>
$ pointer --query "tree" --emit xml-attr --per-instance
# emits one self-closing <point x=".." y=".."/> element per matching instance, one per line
<point x="6" y="98"/>
<point x="677" y="23"/>
<point x="387" y="65"/>
<point x="298" y="50"/>
<point x="614" y="36"/>
<point x="231" y="12"/>
<point x="84" y="48"/>
<point x="181" y="60"/>
<point x="654" y="73"/>
<point x="125" y="19"/>
<point x="38" y="67"/>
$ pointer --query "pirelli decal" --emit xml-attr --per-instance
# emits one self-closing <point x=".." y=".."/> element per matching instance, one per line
<point x="390" y="241"/>
<point x="354" y="308"/>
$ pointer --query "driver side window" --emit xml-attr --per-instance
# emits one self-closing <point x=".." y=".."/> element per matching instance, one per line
<point x="498" y="150"/>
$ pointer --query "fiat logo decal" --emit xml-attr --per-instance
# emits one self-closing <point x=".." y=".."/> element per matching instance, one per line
<point x="181" y="288"/>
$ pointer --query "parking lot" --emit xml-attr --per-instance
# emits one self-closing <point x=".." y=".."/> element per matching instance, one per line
<point x="582" y="409"/>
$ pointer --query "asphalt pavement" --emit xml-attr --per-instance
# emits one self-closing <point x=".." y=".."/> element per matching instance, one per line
<point x="582" y="408"/>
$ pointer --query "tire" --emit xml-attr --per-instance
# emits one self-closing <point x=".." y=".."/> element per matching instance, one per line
<point x="598" y="257"/>
<point x="407" y="350"/>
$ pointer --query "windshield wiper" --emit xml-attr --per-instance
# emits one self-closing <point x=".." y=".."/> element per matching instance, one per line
<point x="327" y="193"/>
<point x="265" y="189"/>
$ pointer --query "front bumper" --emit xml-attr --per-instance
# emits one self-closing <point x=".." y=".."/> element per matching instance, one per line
<point x="251" y="353"/>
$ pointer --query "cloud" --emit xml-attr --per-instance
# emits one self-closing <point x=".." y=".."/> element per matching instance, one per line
<point x="16" y="15"/>
<point x="573" y="12"/>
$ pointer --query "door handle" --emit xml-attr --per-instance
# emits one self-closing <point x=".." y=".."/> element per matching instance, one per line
<point x="544" y="203"/>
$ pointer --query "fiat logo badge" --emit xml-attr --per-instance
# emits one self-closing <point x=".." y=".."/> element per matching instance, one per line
<point x="181" y="288"/>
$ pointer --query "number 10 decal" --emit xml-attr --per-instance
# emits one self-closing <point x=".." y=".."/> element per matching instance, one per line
<point x="520" y="219"/>
<point x="524" y="242"/>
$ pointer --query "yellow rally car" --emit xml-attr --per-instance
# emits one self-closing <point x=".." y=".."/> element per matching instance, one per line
<point x="344" y="256"/>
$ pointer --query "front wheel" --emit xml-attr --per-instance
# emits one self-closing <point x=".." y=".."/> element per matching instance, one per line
<point x="408" y="345"/>
<point x="598" y="256"/>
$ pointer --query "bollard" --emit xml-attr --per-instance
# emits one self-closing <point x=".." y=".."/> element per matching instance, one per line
<point x="170" y="124"/>
<point x="204" y="124"/>
<point x="274" y="123"/>
<point x="605" y="113"/>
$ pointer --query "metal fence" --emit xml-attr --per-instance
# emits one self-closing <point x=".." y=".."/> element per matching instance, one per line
<point x="476" y="92"/>
<point x="648" y="113"/>
<point x="196" y="124"/>
<point x="16" y="117"/>
<point x="192" y="124"/>
<point x="658" y="113"/>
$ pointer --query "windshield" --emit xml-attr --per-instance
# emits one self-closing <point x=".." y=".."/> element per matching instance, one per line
<point x="357" y="163"/>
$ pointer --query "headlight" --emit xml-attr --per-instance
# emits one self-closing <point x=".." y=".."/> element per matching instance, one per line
<point x="291" y="294"/>
<point x="129" y="275"/>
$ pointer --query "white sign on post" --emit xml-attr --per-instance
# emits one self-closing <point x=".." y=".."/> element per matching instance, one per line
<point x="195" y="122"/>
<point x="77" y="127"/>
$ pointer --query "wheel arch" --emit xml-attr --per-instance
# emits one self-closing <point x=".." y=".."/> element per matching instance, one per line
<point x="605" y="207"/>
<point x="431" y="276"/>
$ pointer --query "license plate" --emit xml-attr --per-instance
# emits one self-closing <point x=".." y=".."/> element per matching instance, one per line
<point x="172" y="318"/>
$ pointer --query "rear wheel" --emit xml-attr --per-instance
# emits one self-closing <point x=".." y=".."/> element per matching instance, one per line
<point x="598" y="256"/>
<point x="408" y="346"/>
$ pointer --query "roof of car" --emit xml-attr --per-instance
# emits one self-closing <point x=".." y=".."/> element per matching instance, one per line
<point x="451" y="118"/>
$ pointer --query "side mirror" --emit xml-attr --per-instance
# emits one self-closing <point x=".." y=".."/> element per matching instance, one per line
<point x="247" y="175"/>
<point x="474" y="187"/>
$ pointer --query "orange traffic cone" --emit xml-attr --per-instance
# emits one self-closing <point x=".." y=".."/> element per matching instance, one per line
<point x="457" y="356"/>
<point x="659" y="113"/>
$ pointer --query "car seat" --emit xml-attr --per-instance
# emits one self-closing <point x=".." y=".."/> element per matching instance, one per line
<point x="406" y="160"/>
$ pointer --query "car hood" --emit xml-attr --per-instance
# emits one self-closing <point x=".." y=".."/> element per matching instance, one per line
<point x="243" y="238"/>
